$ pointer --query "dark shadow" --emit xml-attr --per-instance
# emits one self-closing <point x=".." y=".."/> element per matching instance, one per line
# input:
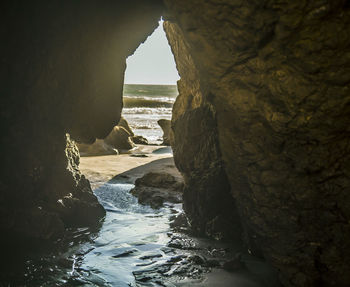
<point x="131" y="175"/>
<point x="163" y="150"/>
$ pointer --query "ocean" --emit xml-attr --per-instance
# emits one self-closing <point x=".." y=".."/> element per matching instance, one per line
<point x="144" y="105"/>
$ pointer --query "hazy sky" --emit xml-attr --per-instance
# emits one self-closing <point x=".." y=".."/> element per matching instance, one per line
<point x="152" y="62"/>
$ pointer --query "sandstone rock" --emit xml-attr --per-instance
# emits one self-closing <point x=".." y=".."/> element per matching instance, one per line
<point x="140" y="140"/>
<point x="99" y="147"/>
<point x="62" y="71"/>
<point x="80" y="207"/>
<point x="119" y="138"/>
<point x="264" y="88"/>
<point x="67" y="201"/>
<point x="276" y="80"/>
<point x="207" y="192"/>
<point x="135" y="139"/>
<point x="123" y="123"/>
<point x="166" y="127"/>
<point x="155" y="188"/>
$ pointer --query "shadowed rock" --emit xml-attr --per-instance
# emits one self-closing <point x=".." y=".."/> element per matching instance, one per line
<point x="123" y="123"/>
<point x="99" y="147"/>
<point x="155" y="188"/>
<point x="276" y="80"/>
<point x="261" y="122"/>
<point x="135" y="138"/>
<point x="166" y="127"/>
<point x="140" y="140"/>
<point x="62" y="71"/>
<point x="119" y="138"/>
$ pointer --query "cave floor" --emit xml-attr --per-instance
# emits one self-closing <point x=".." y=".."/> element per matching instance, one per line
<point x="137" y="245"/>
<point x="153" y="253"/>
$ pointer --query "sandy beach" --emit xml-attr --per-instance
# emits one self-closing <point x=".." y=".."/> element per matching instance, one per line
<point x="132" y="165"/>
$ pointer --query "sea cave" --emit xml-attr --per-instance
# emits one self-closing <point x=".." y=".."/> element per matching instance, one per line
<point x="259" y="132"/>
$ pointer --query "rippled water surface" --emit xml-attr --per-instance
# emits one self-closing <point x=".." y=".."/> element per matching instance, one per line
<point x="132" y="241"/>
<point x="135" y="247"/>
<point x="130" y="234"/>
<point x="144" y="105"/>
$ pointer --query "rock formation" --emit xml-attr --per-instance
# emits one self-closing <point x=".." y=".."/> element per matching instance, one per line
<point x="140" y="140"/>
<point x="261" y="125"/>
<point x="62" y="69"/>
<point x="167" y="132"/>
<point x="275" y="79"/>
<point x="134" y="138"/>
<point x="124" y="123"/>
<point x="121" y="138"/>
<point x="155" y="188"/>
<point x="98" y="147"/>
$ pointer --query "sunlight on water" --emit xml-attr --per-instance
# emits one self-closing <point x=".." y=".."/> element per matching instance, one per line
<point x="144" y="105"/>
<point x="135" y="247"/>
<point x="130" y="232"/>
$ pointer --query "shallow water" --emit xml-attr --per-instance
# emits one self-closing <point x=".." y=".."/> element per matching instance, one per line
<point x="130" y="232"/>
<point x="132" y="236"/>
<point x="132" y="239"/>
<point x="136" y="247"/>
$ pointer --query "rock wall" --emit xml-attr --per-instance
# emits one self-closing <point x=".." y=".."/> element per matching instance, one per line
<point x="62" y="69"/>
<point x="261" y="126"/>
<point x="207" y="199"/>
<point x="274" y="78"/>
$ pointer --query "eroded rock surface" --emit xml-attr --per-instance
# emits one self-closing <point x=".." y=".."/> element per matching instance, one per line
<point x="62" y="70"/>
<point x="155" y="188"/>
<point x="167" y="132"/>
<point x="124" y="123"/>
<point x="99" y="147"/>
<point x="276" y="78"/>
<point x="263" y="107"/>
<point x="120" y="139"/>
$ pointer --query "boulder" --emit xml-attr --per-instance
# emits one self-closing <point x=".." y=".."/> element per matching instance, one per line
<point x="123" y="123"/>
<point x="119" y="138"/>
<point x="166" y="127"/>
<point x="140" y="140"/>
<point x="155" y="188"/>
<point x="135" y="139"/>
<point x="179" y="221"/>
<point x="99" y="147"/>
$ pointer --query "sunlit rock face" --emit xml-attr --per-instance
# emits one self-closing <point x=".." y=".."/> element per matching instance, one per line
<point x="62" y="68"/>
<point x="274" y="78"/>
<point x="207" y="198"/>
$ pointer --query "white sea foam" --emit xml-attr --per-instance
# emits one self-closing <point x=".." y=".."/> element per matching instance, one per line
<point x="144" y="105"/>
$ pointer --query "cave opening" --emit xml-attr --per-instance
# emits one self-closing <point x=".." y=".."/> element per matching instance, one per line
<point x="260" y="135"/>
<point x="132" y="171"/>
<point x="150" y="86"/>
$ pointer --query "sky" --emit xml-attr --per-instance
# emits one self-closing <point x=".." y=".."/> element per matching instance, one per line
<point x="152" y="62"/>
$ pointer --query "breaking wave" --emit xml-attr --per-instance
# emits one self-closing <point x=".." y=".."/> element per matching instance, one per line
<point x="136" y="102"/>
